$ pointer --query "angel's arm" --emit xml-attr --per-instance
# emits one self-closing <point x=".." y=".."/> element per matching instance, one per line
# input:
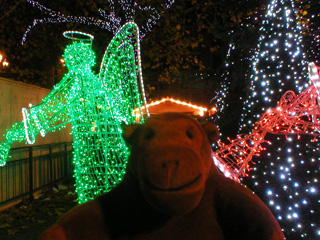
<point x="15" y="134"/>
<point x="49" y="115"/>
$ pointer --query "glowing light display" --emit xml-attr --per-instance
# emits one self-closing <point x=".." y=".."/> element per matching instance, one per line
<point x="96" y="106"/>
<point x="110" y="22"/>
<point x="314" y="76"/>
<point x="280" y="39"/>
<point x="3" y="62"/>
<point x="298" y="115"/>
<point x="199" y="110"/>
<point x="225" y="83"/>
<point x="290" y="188"/>
<point x="235" y="76"/>
<point x="285" y="175"/>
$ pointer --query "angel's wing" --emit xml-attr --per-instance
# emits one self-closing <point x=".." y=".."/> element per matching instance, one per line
<point x="121" y="75"/>
<point x="120" y="93"/>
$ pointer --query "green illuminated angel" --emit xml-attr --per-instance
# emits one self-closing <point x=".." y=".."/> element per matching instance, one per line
<point x="96" y="106"/>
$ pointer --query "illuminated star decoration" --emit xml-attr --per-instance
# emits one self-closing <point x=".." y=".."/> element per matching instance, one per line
<point x="109" y="21"/>
<point x="96" y="106"/>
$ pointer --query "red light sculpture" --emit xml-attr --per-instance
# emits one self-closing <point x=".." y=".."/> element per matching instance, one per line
<point x="294" y="114"/>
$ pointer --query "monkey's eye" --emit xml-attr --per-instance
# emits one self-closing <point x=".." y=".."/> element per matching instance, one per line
<point x="189" y="134"/>
<point x="150" y="134"/>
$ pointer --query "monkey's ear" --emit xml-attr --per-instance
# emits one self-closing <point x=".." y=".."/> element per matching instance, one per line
<point x="211" y="131"/>
<point x="128" y="132"/>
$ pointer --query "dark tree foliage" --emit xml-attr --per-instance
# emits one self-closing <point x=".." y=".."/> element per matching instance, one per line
<point x="37" y="61"/>
<point x="190" y="37"/>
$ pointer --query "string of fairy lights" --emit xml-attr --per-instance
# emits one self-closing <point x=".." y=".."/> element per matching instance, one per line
<point x="96" y="106"/>
<point x="225" y="82"/>
<point x="286" y="174"/>
<point x="236" y="73"/>
<point x="294" y="114"/>
<point x="110" y="22"/>
<point x="280" y="34"/>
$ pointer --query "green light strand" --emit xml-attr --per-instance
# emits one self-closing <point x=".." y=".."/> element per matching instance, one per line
<point x="95" y="106"/>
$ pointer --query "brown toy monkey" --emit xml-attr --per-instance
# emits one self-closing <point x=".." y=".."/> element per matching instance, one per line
<point x="171" y="190"/>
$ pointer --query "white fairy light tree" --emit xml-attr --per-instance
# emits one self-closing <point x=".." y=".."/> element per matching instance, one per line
<point x="285" y="175"/>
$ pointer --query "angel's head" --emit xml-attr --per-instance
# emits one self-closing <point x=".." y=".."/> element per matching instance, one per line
<point x="79" y="55"/>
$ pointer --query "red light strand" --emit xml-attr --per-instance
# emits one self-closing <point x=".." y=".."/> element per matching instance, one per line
<point x="294" y="114"/>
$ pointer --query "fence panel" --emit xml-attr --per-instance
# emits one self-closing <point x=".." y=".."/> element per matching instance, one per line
<point x="40" y="167"/>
